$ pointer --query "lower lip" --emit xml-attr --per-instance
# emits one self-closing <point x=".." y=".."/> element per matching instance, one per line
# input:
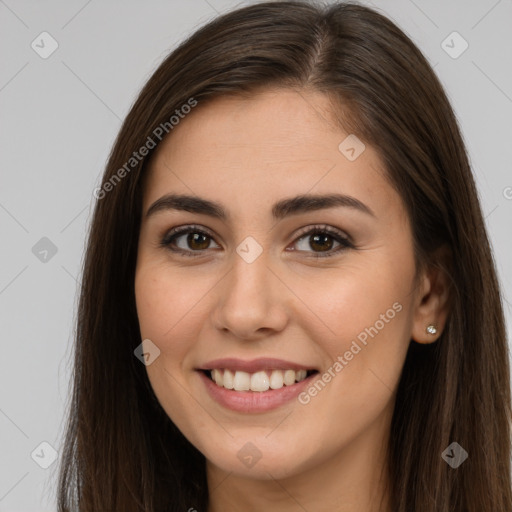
<point x="254" y="401"/>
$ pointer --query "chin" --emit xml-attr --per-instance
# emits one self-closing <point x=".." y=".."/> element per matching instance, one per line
<point x="259" y="457"/>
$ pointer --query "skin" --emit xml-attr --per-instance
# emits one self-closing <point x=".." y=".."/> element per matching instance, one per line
<point x="247" y="154"/>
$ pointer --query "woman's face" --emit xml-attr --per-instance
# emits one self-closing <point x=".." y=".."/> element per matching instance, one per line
<point x="274" y="282"/>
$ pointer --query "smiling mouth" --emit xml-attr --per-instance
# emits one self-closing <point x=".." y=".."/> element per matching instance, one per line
<point x="259" y="381"/>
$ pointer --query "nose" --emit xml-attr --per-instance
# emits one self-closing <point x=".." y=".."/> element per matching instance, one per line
<point x="250" y="301"/>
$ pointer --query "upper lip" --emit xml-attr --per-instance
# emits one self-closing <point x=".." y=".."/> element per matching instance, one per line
<point x="254" y="365"/>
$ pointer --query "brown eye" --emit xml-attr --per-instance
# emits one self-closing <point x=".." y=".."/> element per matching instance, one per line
<point x="323" y="241"/>
<point x="197" y="241"/>
<point x="187" y="240"/>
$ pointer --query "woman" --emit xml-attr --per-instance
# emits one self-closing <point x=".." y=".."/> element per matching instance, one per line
<point x="288" y="300"/>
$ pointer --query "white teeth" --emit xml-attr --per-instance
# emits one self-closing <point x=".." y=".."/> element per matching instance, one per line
<point x="289" y="377"/>
<point x="300" y="375"/>
<point x="229" y="378"/>
<point x="242" y="381"/>
<point x="276" y="379"/>
<point x="259" y="381"/>
<point x="217" y="377"/>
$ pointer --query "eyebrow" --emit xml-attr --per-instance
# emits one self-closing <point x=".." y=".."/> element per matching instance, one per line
<point x="281" y="209"/>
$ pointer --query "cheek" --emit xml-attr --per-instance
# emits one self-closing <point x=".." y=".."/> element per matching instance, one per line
<point x="363" y="309"/>
<point x="354" y="297"/>
<point x="368" y="313"/>
<point x="168" y="302"/>
<point x="168" y="307"/>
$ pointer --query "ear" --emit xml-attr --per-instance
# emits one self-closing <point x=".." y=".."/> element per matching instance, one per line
<point x="432" y="303"/>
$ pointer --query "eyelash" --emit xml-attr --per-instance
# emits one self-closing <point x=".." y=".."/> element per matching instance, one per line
<point x="337" y="235"/>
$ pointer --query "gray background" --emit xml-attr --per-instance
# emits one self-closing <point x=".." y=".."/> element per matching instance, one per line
<point x="59" y="118"/>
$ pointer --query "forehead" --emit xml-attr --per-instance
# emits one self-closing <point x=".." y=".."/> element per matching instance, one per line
<point x="273" y="144"/>
<point x="267" y="124"/>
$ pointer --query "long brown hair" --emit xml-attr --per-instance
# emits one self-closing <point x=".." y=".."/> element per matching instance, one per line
<point x="122" y="452"/>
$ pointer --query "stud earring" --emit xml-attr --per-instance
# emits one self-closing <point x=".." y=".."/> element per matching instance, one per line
<point x="431" y="329"/>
